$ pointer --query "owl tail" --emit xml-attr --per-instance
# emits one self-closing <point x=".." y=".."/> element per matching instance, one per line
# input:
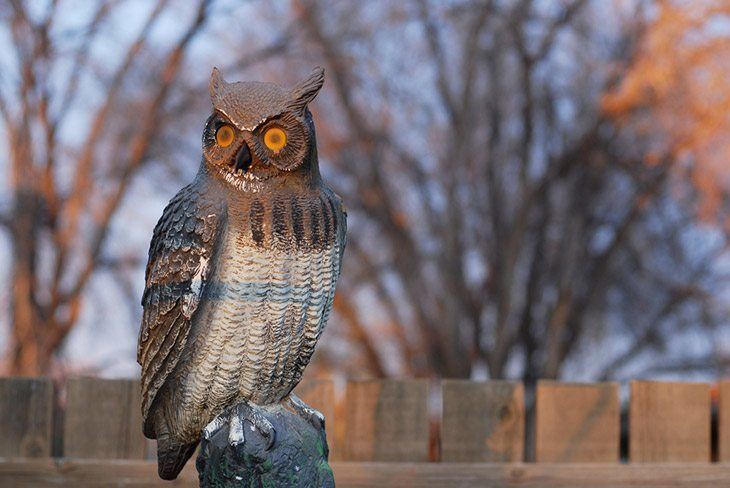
<point x="172" y="456"/>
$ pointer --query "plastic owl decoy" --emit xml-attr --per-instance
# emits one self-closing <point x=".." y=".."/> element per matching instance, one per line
<point x="242" y="269"/>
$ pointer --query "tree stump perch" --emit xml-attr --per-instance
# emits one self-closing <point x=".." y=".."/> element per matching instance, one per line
<point x="298" y="456"/>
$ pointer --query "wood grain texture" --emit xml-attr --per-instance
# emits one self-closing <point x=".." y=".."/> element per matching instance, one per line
<point x="723" y="419"/>
<point x="320" y="395"/>
<point x="577" y="423"/>
<point x="387" y="420"/>
<point x="482" y="421"/>
<point x="669" y="422"/>
<point x="26" y="411"/>
<point x="29" y="473"/>
<point x="103" y="419"/>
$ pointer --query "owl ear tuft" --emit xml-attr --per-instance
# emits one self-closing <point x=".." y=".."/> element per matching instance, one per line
<point x="305" y="91"/>
<point x="216" y="85"/>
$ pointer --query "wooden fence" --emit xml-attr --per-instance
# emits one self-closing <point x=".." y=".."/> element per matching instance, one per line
<point x="385" y="432"/>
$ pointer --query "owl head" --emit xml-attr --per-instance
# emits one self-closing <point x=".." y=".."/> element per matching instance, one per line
<point x="261" y="132"/>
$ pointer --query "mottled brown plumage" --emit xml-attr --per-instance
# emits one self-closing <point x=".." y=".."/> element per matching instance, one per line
<point x="242" y="268"/>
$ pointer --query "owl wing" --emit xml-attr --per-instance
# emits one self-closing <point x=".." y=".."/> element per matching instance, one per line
<point x="180" y="261"/>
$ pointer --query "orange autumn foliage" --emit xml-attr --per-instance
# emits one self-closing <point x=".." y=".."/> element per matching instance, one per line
<point x="677" y="92"/>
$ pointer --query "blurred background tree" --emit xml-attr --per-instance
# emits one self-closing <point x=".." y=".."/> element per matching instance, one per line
<point x="66" y="188"/>
<point x="536" y="189"/>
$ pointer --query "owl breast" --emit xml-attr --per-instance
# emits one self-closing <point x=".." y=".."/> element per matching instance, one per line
<point x="268" y="301"/>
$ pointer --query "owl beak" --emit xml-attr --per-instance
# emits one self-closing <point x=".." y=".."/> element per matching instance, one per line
<point x="243" y="158"/>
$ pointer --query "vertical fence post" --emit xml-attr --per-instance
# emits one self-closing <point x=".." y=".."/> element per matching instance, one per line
<point x="103" y="419"/>
<point x="26" y="410"/>
<point x="577" y="423"/>
<point x="669" y="422"/>
<point x="387" y="420"/>
<point x="482" y="421"/>
<point x="723" y="420"/>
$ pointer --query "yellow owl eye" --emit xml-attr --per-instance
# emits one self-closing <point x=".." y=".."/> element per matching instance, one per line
<point x="275" y="139"/>
<point x="224" y="135"/>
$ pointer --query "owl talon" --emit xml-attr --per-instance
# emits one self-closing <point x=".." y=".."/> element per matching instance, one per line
<point x="235" y="418"/>
<point x="216" y="424"/>
<point x="249" y="413"/>
<point x="235" y="431"/>
<point x="314" y="417"/>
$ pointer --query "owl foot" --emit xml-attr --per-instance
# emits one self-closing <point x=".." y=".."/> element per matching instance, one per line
<point x="236" y="417"/>
<point x="309" y="414"/>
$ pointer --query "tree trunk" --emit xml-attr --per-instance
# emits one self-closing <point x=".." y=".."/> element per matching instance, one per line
<point x="28" y="354"/>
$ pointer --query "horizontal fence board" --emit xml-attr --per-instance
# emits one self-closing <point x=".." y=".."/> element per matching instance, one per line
<point x="482" y="421"/>
<point x="26" y="412"/>
<point x="576" y="422"/>
<point x="463" y="475"/>
<point x="387" y="421"/>
<point x="123" y="474"/>
<point x="89" y="473"/>
<point x="723" y="418"/>
<point x="669" y="422"/>
<point x="103" y="419"/>
<point x="320" y="395"/>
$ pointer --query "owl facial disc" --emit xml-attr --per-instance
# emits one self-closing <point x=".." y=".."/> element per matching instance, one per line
<point x="260" y="131"/>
